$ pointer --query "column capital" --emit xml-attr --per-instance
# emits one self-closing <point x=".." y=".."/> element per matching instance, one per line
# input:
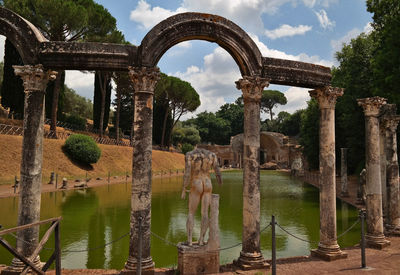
<point x="326" y="96"/>
<point x="35" y="78"/>
<point x="371" y="105"/>
<point x="390" y="123"/>
<point x="252" y="87"/>
<point x="144" y="78"/>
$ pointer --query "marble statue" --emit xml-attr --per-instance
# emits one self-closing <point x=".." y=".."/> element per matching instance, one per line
<point x="198" y="164"/>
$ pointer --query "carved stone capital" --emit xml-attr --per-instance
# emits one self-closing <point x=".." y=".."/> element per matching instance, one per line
<point x="326" y="96"/>
<point x="252" y="87"/>
<point x="390" y="123"/>
<point x="371" y="105"/>
<point x="144" y="79"/>
<point x="35" y="78"/>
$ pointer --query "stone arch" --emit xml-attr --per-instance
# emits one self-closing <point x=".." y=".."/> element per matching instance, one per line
<point x="201" y="26"/>
<point x="25" y="37"/>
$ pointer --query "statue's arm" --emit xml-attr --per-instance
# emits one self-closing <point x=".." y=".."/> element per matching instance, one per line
<point x="187" y="175"/>
<point x="217" y="170"/>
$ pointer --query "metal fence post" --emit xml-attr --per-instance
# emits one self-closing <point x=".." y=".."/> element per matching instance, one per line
<point x="139" y="260"/>
<point x="108" y="177"/>
<point x="273" y="245"/>
<point x="363" y="262"/>
<point x="56" y="180"/>
<point x="57" y="248"/>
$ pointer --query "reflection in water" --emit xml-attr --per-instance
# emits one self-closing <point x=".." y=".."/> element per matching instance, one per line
<point x="94" y="217"/>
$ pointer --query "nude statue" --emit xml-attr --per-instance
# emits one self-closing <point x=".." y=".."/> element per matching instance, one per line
<point x="198" y="164"/>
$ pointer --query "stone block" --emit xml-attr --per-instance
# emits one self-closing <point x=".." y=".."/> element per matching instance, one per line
<point x="328" y="256"/>
<point x="197" y="259"/>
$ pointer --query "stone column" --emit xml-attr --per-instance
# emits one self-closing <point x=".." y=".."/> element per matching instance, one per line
<point x="35" y="80"/>
<point x="144" y="81"/>
<point x="328" y="248"/>
<point x="374" y="237"/>
<point x="393" y="218"/>
<point x="252" y="88"/>
<point x="382" y="162"/>
<point x="343" y="172"/>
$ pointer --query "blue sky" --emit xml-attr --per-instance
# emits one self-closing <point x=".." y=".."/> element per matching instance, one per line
<point x="304" y="30"/>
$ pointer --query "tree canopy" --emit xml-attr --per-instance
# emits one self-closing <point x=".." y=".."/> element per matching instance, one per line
<point x="270" y="99"/>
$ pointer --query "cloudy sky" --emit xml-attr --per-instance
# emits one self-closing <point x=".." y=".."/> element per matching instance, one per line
<point x="304" y="30"/>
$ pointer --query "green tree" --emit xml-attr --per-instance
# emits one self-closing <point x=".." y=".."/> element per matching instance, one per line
<point x="123" y="86"/>
<point x="77" y="105"/>
<point x="385" y="61"/>
<point x="101" y="101"/>
<point x="180" y="98"/>
<point x="212" y="129"/>
<point x="354" y="74"/>
<point x="309" y="133"/>
<point x="182" y="135"/>
<point x="290" y="123"/>
<point x="12" y="90"/>
<point x="270" y="99"/>
<point x="234" y="114"/>
<point x="65" y="20"/>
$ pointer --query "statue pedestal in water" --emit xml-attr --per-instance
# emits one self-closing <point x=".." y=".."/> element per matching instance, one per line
<point x="202" y="259"/>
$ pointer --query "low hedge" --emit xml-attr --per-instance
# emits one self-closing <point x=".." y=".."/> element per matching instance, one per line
<point x="82" y="148"/>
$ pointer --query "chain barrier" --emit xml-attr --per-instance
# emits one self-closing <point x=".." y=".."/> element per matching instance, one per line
<point x="316" y="243"/>
<point x="77" y="251"/>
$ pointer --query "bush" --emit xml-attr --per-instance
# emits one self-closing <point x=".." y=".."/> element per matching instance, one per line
<point x="75" y="122"/>
<point x="82" y="148"/>
<point x="186" y="147"/>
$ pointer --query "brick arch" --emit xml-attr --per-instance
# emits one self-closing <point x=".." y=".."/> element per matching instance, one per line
<point x="201" y="26"/>
<point x="25" y="37"/>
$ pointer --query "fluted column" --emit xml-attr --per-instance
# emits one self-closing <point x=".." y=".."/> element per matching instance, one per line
<point x="252" y="88"/>
<point x="375" y="237"/>
<point x="328" y="248"/>
<point x="35" y="80"/>
<point x="144" y="81"/>
<point x="390" y="124"/>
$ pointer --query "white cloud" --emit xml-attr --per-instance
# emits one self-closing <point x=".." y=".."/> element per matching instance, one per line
<point x="287" y="30"/>
<point x="324" y="21"/>
<point x="215" y="82"/>
<point x="246" y="13"/>
<point x="82" y="83"/>
<point x="265" y="51"/>
<point x="148" y="17"/>
<point x="296" y="99"/>
<point x="337" y="45"/>
<point x="2" y="42"/>
<point x="324" y="3"/>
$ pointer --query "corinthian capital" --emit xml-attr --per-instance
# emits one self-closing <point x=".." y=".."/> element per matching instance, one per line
<point x="144" y="79"/>
<point x="35" y="78"/>
<point x="326" y="96"/>
<point x="390" y="123"/>
<point x="252" y="87"/>
<point x="371" y="105"/>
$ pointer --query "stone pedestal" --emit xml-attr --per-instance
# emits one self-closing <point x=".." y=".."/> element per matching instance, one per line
<point x="328" y="249"/>
<point x="197" y="259"/>
<point x="374" y="237"/>
<point x="252" y="88"/>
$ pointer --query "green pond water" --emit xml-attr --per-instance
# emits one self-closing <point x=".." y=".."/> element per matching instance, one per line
<point x="96" y="216"/>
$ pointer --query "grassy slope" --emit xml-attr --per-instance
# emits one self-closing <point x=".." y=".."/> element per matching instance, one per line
<point x="114" y="159"/>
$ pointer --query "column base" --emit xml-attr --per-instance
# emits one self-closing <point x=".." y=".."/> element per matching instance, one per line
<point x="248" y="261"/>
<point x="328" y="253"/>
<point x="376" y="242"/>
<point x="131" y="266"/>
<point x="17" y="266"/>
<point x="197" y="259"/>
<point x="392" y="230"/>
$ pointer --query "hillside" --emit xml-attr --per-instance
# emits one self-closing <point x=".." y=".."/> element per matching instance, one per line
<point x="114" y="159"/>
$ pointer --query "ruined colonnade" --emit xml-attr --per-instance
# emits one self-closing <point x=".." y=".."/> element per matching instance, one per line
<point x="140" y="62"/>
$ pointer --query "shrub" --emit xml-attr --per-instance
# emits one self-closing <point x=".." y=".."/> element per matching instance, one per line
<point x="82" y="148"/>
<point x="75" y="122"/>
<point x="186" y="147"/>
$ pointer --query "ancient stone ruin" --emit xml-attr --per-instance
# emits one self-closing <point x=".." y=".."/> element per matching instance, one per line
<point x="41" y="58"/>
